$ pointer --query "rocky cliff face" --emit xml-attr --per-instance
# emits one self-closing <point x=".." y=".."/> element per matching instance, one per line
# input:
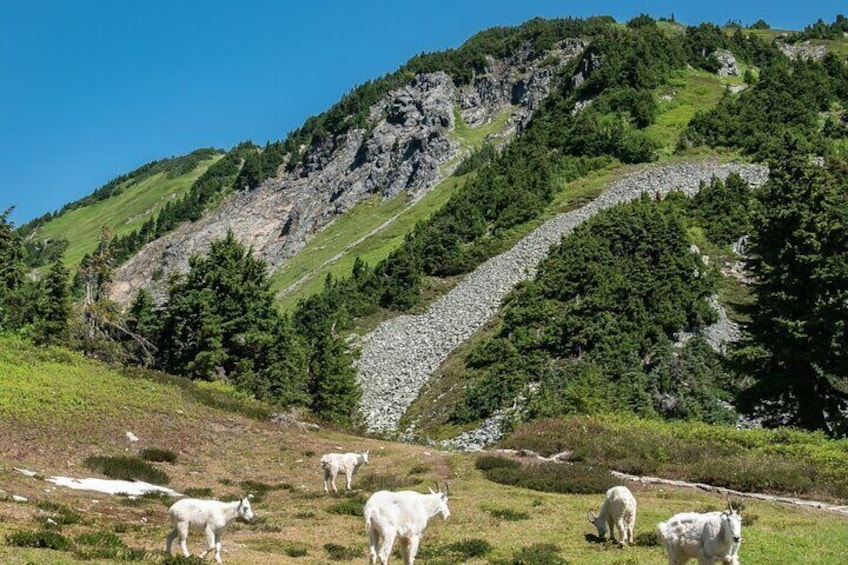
<point x="405" y="149"/>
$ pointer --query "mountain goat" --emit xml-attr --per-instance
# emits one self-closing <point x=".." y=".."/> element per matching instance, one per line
<point x="347" y="463"/>
<point x="710" y="537"/>
<point x="403" y="515"/>
<point x="618" y="510"/>
<point x="211" y="516"/>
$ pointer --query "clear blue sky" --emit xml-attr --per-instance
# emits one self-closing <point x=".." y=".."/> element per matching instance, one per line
<point x="92" y="89"/>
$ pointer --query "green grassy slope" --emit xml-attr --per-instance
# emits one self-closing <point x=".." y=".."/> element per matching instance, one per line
<point x="58" y="408"/>
<point x="123" y="213"/>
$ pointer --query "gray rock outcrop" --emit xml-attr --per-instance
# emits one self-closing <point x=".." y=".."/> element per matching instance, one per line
<point x="402" y="353"/>
<point x="406" y="148"/>
<point x="728" y="68"/>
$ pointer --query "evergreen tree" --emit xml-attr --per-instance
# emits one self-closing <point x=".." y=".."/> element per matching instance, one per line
<point x="12" y="273"/>
<point x="220" y="322"/>
<point x="52" y="326"/>
<point x="797" y="350"/>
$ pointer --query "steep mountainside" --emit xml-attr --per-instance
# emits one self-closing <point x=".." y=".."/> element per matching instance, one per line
<point x="409" y="146"/>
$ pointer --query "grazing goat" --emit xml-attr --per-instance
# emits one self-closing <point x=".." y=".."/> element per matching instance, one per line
<point x="211" y="516"/>
<point x="348" y="463"/>
<point x="618" y="510"/>
<point x="403" y="515"/>
<point x="709" y="538"/>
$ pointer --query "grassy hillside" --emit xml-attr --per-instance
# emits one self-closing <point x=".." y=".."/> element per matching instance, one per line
<point x="124" y="213"/>
<point x="58" y="408"/>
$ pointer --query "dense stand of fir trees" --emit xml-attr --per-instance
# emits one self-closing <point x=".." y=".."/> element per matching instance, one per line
<point x="610" y="347"/>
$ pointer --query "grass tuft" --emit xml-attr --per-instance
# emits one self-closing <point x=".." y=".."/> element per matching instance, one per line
<point x="353" y="506"/>
<point x="42" y="539"/>
<point x="341" y="553"/>
<point x="127" y="469"/>
<point x="155" y="455"/>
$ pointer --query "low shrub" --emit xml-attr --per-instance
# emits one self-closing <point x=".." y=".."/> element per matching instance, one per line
<point x="508" y="514"/>
<point x="353" y="506"/>
<point x="198" y="492"/>
<point x="127" y="469"/>
<point x="536" y="554"/>
<point x="646" y="539"/>
<point x="105" y="545"/>
<point x="419" y="469"/>
<point x="566" y="478"/>
<point x="304" y="514"/>
<point x="341" y="553"/>
<point x="456" y="552"/>
<point x="386" y="481"/>
<point x="42" y="539"/>
<point x="155" y="455"/>
<point x="780" y="461"/>
<point x="59" y="514"/>
<point x="486" y="462"/>
<point x="182" y="560"/>
<point x="295" y="551"/>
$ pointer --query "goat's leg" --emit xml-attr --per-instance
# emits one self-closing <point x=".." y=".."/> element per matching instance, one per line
<point x="622" y="531"/>
<point x="373" y="540"/>
<point x="348" y="478"/>
<point x="182" y="528"/>
<point x="326" y="479"/>
<point x="386" y="547"/>
<point x="218" y="548"/>
<point x="169" y="540"/>
<point x="210" y="541"/>
<point x="403" y="545"/>
<point x="413" y="549"/>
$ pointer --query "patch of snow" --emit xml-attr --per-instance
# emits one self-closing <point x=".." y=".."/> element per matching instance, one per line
<point x="25" y="472"/>
<point x="18" y="498"/>
<point x="132" y="437"/>
<point x="111" y="486"/>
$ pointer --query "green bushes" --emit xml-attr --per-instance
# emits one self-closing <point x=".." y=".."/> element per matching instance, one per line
<point x="779" y="461"/>
<point x="42" y="539"/>
<point x="536" y="554"/>
<point x="341" y="553"/>
<point x="387" y="481"/>
<point x="127" y="469"/>
<point x="87" y="546"/>
<point x="566" y="478"/>
<point x="353" y="506"/>
<point x="156" y="455"/>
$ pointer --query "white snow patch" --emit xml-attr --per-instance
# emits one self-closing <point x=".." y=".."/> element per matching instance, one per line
<point x="108" y="486"/>
<point x="111" y="486"/>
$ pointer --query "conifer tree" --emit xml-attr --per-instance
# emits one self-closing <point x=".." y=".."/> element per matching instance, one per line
<point x="797" y="351"/>
<point x="52" y="326"/>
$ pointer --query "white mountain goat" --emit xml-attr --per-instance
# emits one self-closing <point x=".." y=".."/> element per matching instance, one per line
<point x="347" y="463"/>
<point x="710" y="537"/>
<point x="211" y="516"/>
<point x="618" y="512"/>
<point x="403" y="515"/>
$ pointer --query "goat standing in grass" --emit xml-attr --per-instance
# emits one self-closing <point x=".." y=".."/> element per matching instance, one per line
<point x="709" y="537"/>
<point x="347" y="463"/>
<point x="619" y="511"/>
<point x="211" y="516"/>
<point x="403" y="515"/>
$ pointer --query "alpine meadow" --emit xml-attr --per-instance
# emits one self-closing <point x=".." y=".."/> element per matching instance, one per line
<point x="565" y="256"/>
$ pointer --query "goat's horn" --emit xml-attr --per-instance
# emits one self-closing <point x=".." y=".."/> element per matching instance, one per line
<point x="447" y="488"/>
<point x="729" y="506"/>
<point x="590" y="516"/>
